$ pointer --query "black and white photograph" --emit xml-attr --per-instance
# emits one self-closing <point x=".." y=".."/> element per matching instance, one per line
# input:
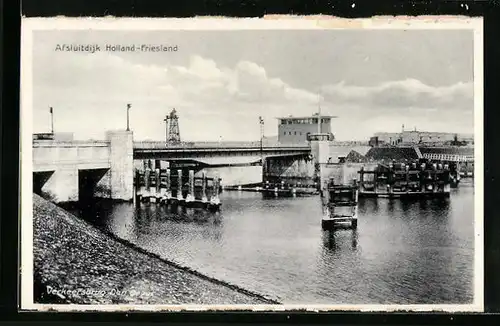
<point x="267" y="164"/>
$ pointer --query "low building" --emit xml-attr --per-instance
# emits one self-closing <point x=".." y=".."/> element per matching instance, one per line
<point x="408" y="137"/>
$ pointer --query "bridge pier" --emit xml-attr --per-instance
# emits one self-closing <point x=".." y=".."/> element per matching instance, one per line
<point x="121" y="160"/>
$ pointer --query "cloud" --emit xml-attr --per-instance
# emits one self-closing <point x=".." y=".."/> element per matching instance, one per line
<point x="90" y="93"/>
<point x="102" y="83"/>
<point x="402" y="95"/>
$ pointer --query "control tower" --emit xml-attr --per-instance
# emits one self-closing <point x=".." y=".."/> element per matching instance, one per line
<point x="296" y="130"/>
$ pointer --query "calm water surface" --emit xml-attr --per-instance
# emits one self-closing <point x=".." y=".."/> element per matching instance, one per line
<point x="403" y="252"/>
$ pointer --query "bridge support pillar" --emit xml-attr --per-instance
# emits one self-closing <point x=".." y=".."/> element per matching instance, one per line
<point x="320" y="150"/>
<point x="122" y="164"/>
<point x="62" y="186"/>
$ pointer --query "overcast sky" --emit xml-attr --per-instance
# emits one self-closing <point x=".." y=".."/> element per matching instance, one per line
<point x="221" y="81"/>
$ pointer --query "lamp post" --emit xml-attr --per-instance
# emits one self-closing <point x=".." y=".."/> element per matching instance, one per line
<point x="51" y="120"/>
<point x="261" y="122"/>
<point x="128" y="109"/>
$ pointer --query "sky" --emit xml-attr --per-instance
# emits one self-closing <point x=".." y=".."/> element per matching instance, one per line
<point x="220" y="82"/>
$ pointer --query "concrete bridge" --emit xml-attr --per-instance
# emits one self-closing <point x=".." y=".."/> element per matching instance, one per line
<point x="217" y="153"/>
<point x="67" y="170"/>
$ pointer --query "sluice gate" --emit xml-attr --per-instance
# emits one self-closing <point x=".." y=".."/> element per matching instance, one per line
<point x="176" y="187"/>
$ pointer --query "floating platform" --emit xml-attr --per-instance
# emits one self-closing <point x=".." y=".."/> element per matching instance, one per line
<point x="276" y="192"/>
<point x="396" y="194"/>
<point x="297" y="192"/>
<point x="213" y="206"/>
<point x="339" y="223"/>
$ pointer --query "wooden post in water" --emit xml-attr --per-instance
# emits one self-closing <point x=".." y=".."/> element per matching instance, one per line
<point x="179" y="185"/>
<point x="190" y="195"/>
<point x="361" y="177"/>
<point x="214" y="200"/>
<point x="422" y="178"/>
<point x="168" y="193"/>
<point x="407" y="167"/>
<point x="137" y="186"/>
<point x="146" y="183"/>
<point x="158" y="183"/>
<point x="326" y="197"/>
<point x="203" y="188"/>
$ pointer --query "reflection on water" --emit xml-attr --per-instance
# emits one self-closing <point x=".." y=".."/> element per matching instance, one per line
<point x="402" y="252"/>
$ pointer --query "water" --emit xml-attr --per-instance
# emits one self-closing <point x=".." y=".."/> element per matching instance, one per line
<point x="402" y="252"/>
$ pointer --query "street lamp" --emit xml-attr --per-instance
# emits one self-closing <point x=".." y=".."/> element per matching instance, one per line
<point x="128" y="109"/>
<point x="261" y="122"/>
<point x="51" y="120"/>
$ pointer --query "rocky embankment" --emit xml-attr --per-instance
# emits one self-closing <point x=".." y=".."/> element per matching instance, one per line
<point x="76" y="263"/>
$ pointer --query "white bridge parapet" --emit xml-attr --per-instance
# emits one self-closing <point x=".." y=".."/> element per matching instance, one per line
<point x="50" y="155"/>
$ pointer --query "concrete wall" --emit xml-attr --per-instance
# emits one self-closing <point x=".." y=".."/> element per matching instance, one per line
<point x="121" y="159"/>
<point x="62" y="185"/>
<point x="234" y="175"/>
<point x="290" y="167"/>
<point x="51" y="155"/>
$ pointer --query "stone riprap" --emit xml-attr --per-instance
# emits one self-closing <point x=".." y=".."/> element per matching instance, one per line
<point x="76" y="263"/>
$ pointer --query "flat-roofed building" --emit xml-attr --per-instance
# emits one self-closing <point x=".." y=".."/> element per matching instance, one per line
<point x="297" y="129"/>
<point x="406" y="137"/>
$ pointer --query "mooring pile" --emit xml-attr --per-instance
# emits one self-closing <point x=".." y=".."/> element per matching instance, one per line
<point x="173" y="187"/>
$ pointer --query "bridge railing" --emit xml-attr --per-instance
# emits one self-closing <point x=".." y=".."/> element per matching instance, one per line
<point x="71" y="143"/>
<point x="214" y="145"/>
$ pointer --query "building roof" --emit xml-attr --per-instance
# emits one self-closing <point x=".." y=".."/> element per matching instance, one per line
<point x="392" y="153"/>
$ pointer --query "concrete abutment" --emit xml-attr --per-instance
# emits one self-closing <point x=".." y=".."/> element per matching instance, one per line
<point x="121" y="159"/>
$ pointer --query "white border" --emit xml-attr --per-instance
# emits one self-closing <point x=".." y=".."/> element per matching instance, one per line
<point x="270" y="22"/>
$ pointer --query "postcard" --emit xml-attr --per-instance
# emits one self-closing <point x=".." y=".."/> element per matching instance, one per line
<point x="270" y="164"/>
